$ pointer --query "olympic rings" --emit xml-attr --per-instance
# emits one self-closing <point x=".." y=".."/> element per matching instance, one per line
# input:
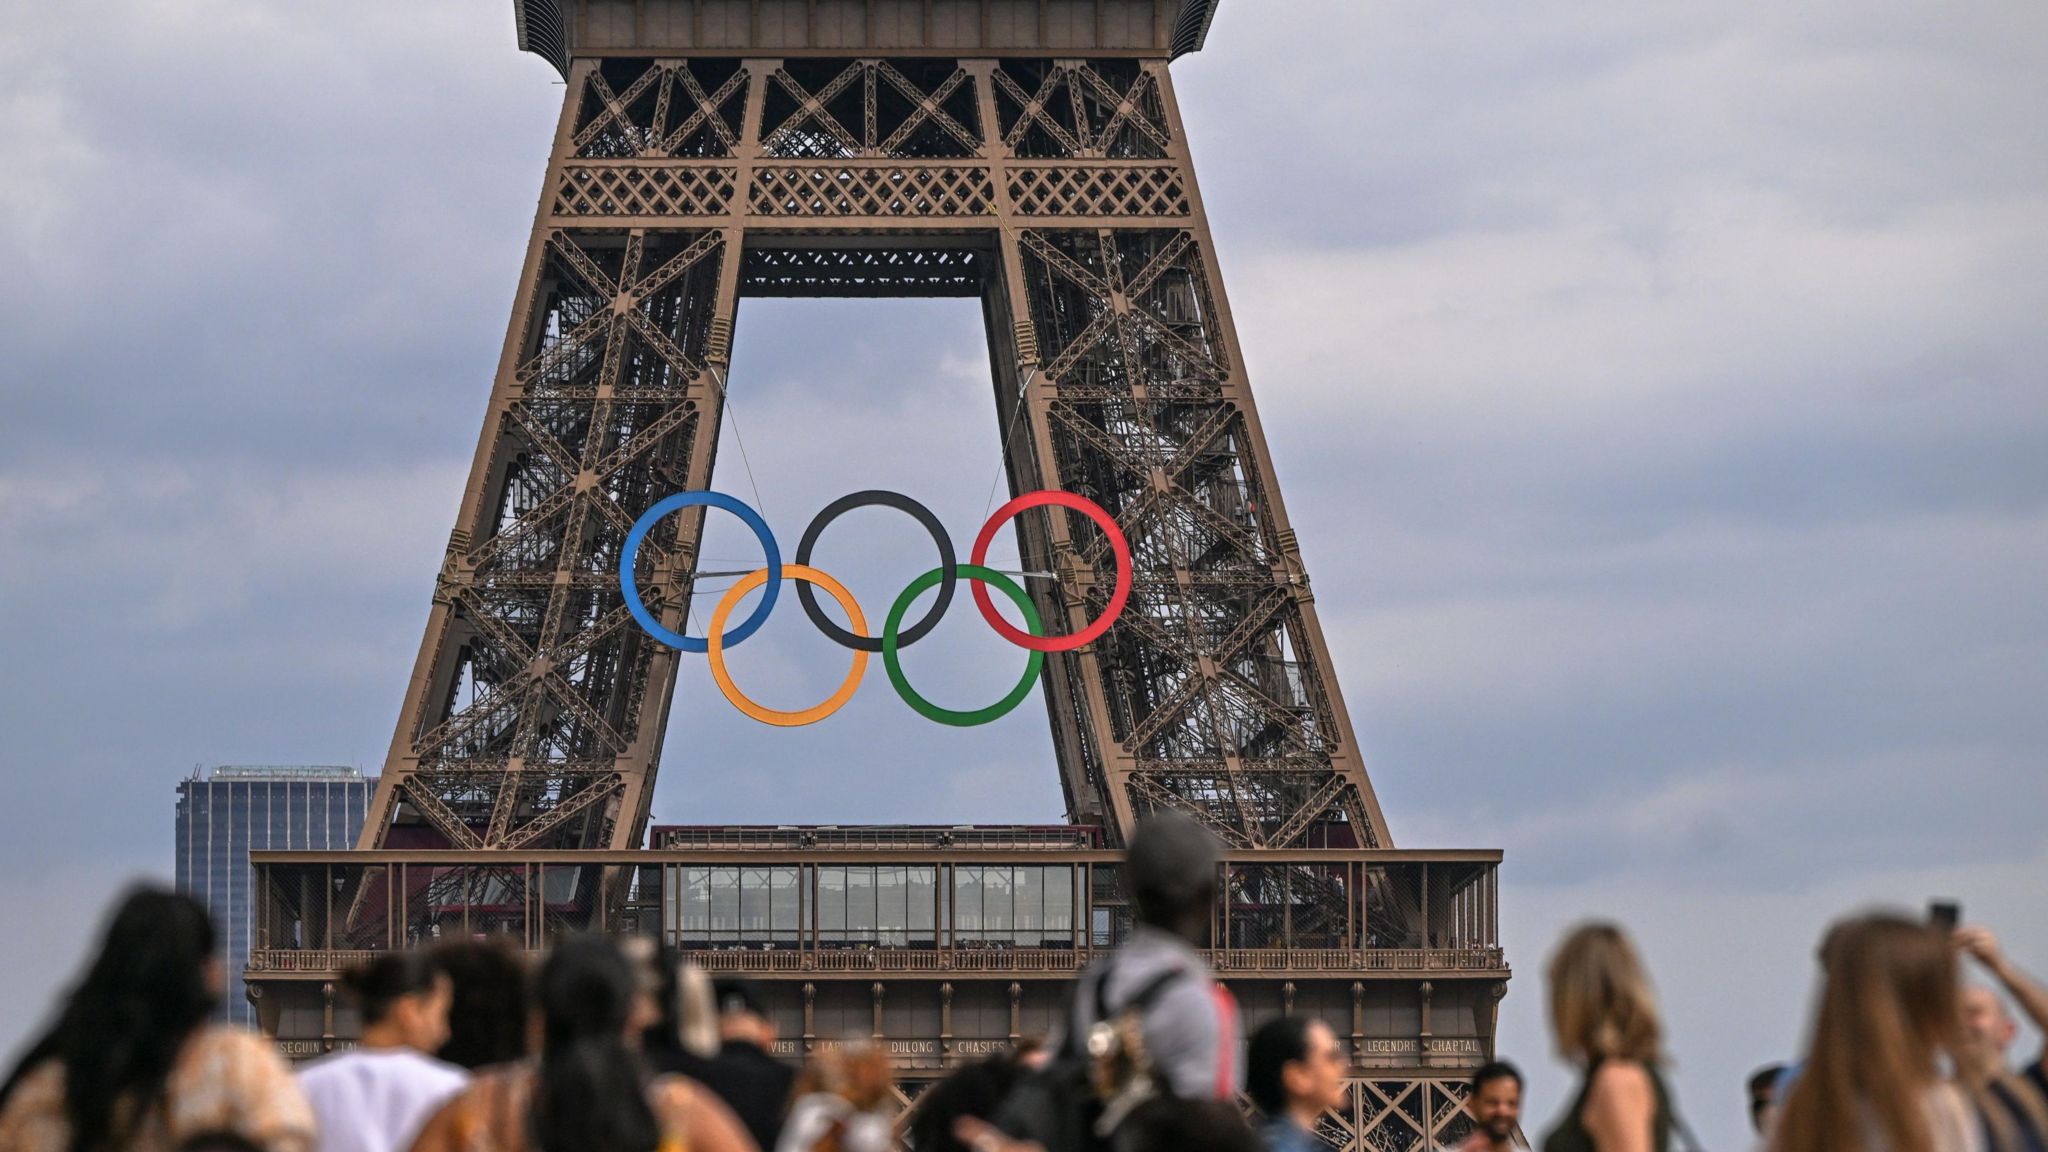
<point x="646" y="522"/>
<point x="894" y="637"/>
<point x="919" y="513"/>
<point x="926" y="708"/>
<point x="838" y="699"/>
<point x="1117" y="545"/>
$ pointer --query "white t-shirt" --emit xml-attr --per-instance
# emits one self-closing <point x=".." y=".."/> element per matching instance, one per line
<point x="377" y="1099"/>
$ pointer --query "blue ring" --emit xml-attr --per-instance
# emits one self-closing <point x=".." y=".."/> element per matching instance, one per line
<point x="646" y="522"/>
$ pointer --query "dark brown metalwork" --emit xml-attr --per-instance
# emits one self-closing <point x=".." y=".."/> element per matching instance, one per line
<point x="1057" y="189"/>
<point x="1028" y="153"/>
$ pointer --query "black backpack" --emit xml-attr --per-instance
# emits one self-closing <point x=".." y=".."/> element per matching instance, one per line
<point x="1076" y="1102"/>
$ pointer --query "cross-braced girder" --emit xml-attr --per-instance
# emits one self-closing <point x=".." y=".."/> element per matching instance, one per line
<point x="1060" y="192"/>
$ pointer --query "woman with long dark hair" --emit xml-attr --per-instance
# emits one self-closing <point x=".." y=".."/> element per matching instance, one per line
<point x="131" y="1064"/>
<point x="490" y="1013"/>
<point x="589" y="1091"/>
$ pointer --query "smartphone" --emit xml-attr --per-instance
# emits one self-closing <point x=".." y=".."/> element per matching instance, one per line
<point x="1944" y="914"/>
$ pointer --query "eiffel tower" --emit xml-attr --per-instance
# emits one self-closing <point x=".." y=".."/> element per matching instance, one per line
<point x="710" y="151"/>
<point x="1029" y="154"/>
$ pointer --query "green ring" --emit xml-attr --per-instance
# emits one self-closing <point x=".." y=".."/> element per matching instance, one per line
<point x="926" y="708"/>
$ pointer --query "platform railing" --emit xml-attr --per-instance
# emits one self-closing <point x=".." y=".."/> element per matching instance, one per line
<point x="1015" y="960"/>
<point x="321" y="960"/>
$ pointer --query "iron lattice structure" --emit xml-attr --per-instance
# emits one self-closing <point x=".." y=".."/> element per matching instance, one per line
<point x="1058" y="189"/>
<point x="1029" y="154"/>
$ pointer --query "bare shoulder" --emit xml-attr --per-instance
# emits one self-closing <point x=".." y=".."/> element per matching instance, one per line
<point x="673" y="1090"/>
<point x="458" y="1121"/>
<point x="677" y="1101"/>
<point x="222" y="1051"/>
<point x="215" y="1039"/>
<point x="684" y="1106"/>
<point x="1621" y="1088"/>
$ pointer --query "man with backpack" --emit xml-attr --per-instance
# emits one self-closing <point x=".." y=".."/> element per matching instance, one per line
<point x="1148" y="1028"/>
<point x="1189" y="1023"/>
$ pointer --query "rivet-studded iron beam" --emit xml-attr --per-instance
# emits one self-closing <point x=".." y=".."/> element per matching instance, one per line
<point x="1059" y="191"/>
<point x="710" y="149"/>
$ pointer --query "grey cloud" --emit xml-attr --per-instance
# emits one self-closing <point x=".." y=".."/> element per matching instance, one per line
<point x="1434" y="120"/>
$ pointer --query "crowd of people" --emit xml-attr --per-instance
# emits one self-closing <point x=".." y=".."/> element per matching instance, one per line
<point x="611" y="1046"/>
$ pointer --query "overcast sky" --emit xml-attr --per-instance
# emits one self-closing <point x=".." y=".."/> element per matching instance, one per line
<point x="1656" y="388"/>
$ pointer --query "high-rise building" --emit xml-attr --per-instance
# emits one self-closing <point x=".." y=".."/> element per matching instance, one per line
<point x="224" y="813"/>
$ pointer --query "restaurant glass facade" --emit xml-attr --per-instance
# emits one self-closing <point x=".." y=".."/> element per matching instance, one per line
<point x="851" y="906"/>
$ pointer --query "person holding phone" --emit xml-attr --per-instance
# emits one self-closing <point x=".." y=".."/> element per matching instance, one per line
<point x="2015" y="1103"/>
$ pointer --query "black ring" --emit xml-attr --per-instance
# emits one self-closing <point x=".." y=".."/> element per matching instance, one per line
<point x="917" y="512"/>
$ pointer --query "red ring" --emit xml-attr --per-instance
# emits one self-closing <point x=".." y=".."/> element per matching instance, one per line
<point x="1117" y="544"/>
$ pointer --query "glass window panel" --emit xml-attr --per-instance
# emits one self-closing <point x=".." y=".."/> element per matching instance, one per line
<point x="1059" y="906"/>
<point x="832" y="906"/>
<point x="754" y="904"/>
<point x="785" y="907"/>
<point x="697" y="907"/>
<point x="725" y="904"/>
<point x="892" y="905"/>
<point x="923" y="884"/>
<point x="671" y="903"/>
<point x="1029" y="898"/>
<point x="860" y="904"/>
<point x="967" y="916"/>
<point x="998" y="912"/>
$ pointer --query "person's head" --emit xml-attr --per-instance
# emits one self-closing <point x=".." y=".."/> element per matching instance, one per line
<point x="1031" y="1053"/>
<point x="1172" y="1124"/>
<point x="490" y="1009"/>
<point x="1295" y="1065"/>
<point x="1496" y="1100"/>
<point x="1990" y="1027"/>
<point x="150" y="986"/>
<point x="1763" y="1095"/>
<point x="1601" y="1003"/>
<point x="404" y="998"/>
<point x="695" y="1008"/>
<point x="1888" y="1012"/>
<point x="589" y="1095"/>
<point x="857" y="1073"/>
<point x="655" y="998"/>
<point x="679" y="1004"/>
<point x="741" y="1015"/>
<point x="1171" y="871"/>
<point x="976" y="1090"/>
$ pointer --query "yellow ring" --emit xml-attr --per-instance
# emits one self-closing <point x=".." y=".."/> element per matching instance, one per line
<point x="716" y="647"/>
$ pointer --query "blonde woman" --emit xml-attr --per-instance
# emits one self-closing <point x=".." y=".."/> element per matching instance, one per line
<point x="1889" y="1016"/>
<point x="1604" y="1016"/>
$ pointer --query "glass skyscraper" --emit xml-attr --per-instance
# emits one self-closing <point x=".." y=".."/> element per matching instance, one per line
<point x="225" y="813"/>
